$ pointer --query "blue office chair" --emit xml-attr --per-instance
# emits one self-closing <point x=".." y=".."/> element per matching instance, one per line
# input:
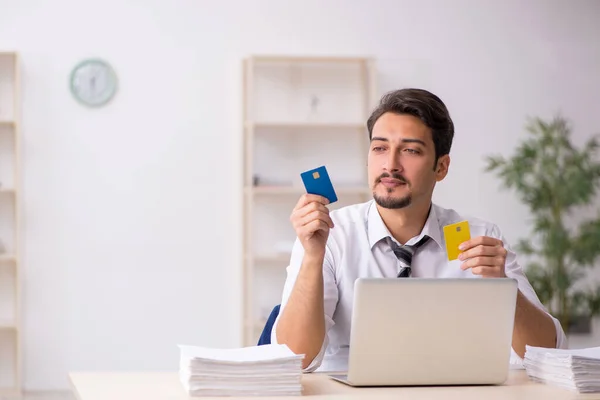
<point x="265" y="337"/>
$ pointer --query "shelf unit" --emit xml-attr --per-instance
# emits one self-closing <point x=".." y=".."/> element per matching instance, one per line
<point x="10" y="321"/>
<point x="299" y="113"/>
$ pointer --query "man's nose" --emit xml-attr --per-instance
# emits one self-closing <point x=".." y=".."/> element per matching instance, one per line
<point x="393" y="163"/>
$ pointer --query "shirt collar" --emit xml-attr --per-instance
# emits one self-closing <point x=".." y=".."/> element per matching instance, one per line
<point x="377" y="230"/>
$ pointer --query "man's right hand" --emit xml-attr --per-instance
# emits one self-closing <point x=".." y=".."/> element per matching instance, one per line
<point x="301" y="323"/>
<point x="312" y="222"/>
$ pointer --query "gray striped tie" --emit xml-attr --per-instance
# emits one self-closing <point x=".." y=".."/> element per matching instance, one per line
<point x="405" y="255"/>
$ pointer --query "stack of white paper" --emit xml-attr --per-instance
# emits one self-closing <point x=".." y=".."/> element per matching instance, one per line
<point x="575" y="369"/>
<point x="249" y="371"/>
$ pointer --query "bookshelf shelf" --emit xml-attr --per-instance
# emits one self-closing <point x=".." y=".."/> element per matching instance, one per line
<point x="297" y="191"/>
<point x="275" y="258"/>
<point x="4" y="258"/>
<point x="6" y="324"/>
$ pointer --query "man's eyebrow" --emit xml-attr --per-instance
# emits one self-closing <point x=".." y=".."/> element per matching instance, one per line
<point x="414" y="141"/>
<point x="382" y="139"/>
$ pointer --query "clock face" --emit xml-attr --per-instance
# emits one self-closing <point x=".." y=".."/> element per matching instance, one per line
<point x="93" y="83"/>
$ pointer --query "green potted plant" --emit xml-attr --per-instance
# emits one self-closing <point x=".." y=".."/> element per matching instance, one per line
<point x="556" y="180"/>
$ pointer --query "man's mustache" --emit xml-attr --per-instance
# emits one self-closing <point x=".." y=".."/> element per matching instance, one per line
<point x="394" y="176"/>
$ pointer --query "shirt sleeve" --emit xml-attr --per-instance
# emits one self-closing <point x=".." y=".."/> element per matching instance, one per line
<point x="330" y="292"/>
<point x="514" y="270"/>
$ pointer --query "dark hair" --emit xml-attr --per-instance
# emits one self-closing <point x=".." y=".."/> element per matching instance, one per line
<point x="424" y="105"/>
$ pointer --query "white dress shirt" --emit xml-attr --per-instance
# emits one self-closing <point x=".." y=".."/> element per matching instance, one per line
<point x="357" y="247"/>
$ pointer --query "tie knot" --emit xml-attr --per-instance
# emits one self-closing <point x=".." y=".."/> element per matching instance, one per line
<point x="410" y="247"/>
<point x="405" y="255"/>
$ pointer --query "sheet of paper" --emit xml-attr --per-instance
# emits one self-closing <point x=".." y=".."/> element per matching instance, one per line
<point x="590" y="352"/>
<point x="244" y="354"/>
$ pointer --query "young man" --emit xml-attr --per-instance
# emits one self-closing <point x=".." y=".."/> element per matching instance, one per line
<point x="411" y="135"/>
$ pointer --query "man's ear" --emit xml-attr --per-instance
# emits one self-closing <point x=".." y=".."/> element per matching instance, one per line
<point x="441" y="170"/>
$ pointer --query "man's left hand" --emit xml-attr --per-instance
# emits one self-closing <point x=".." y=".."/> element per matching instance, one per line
<point x="485" y="256"/>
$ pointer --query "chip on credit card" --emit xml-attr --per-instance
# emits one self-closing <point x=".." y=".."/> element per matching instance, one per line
<point x="316" y="181"/>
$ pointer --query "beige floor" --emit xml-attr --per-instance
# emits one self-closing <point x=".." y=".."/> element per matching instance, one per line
<point x="41" y="396"/>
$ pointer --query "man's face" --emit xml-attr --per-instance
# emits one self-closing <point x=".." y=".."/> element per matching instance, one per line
<point x="401" y="161"/>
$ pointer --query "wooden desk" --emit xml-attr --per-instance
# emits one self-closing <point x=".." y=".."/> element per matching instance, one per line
<point x="166" y="386"/>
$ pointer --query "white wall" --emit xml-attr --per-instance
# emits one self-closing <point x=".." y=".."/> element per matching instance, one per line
<point x="132" y="212"/>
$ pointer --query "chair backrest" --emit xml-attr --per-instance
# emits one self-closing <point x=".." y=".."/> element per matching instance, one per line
<point x="265" y="337"/>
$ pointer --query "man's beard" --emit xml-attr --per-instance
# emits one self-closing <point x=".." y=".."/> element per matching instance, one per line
<point x="390" y="202"/>
<point x="393" y="203"/>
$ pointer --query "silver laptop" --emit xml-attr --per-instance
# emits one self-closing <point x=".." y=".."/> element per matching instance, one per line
<point x="424" y="331"/>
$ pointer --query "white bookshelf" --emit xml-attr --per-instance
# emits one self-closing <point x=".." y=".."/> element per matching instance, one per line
<point x="299" y="113"/>
<point x="10" y="321"/>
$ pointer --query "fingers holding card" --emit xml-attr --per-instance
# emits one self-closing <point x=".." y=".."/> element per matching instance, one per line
<point x="454" y="235"/>
<point x="310" y="218"/>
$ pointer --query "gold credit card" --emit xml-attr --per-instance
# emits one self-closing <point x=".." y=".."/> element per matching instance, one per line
<point x="454" y="235"/>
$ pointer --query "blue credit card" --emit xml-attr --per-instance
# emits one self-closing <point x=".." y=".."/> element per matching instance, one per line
<point x="316" y="181"/>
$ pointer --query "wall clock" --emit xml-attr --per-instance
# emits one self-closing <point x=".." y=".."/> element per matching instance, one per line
<point x="93" y="82"/>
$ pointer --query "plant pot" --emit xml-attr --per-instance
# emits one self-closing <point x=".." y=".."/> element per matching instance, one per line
<point x="580" y="324"/>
